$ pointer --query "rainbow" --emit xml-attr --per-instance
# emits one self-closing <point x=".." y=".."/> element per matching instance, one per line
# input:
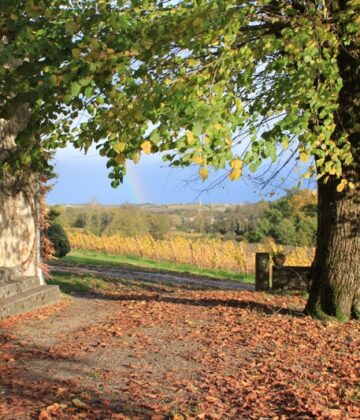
<point x="135" y="191"/>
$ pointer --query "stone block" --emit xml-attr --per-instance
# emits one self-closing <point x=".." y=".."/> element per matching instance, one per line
<point x="291" y="278"/>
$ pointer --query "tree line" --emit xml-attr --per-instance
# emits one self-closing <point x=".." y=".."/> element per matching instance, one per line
<point x="290" y="220"/>
<point x="108" y="220"/>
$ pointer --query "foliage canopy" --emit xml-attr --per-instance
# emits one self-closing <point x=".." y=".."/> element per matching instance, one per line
<point x="205" y="82"/>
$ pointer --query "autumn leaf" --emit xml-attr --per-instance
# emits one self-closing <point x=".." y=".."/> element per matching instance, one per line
<point x="341" y="186"/>
<point x="190" y="137"/>
<point x="197" y="159"/>
<point x="79" y="403"/>
<point x="119" y="147"/>
<point x="236" y="164"/>
<point x="120" y="158"/>
<point x="146" y="147"/>
<point x="304" y="157"/>
<point x="204" y="173"/>
<point x="235" y="174"/>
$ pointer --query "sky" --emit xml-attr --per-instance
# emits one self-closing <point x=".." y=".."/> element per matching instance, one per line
<point x="83" y="179"/>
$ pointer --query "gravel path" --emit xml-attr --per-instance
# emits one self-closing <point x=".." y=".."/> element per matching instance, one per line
<point x="143" y="274"/>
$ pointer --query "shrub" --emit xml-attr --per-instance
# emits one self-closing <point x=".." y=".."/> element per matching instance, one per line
<point x="59" y="239"/>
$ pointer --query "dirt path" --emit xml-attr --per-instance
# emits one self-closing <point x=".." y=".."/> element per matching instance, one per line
<point x="155" y="276"/>
<point x="129" y="352"/>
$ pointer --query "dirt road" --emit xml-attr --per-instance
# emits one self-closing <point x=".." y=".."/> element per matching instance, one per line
<point x="142" y="274"/>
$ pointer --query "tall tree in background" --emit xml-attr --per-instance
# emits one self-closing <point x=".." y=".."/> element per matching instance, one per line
<point x="212" y="83"/>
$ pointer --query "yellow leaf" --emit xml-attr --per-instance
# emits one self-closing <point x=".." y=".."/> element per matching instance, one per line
<point x="235" y="174"/>
<point x="204" y="173"/>
<point x="340" y="187"/>
<point x="228" y="142"/>
<point x="236" y="164"/>
<point x="321" y="137"/>
<point x="304" y="157"/>
<point x="119" y="147"/>
<point x="190" y="137"/>
<point x="351" y="185"/>
<point x="146" y="146"/>
<point x="197" y="159"/>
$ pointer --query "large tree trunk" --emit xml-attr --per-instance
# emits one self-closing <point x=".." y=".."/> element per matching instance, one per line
<point x="336" y="271"/>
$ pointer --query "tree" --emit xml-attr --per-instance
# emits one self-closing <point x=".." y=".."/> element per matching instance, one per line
<point x="58" y="238"/>
<point x="290" y="220"/>
<point x="159" y="225"/>
<point x="206" y="82"/>
<point x="56" y="234"/>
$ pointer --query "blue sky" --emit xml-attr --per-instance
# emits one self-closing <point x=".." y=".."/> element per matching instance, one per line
<point x="82" y="179"/>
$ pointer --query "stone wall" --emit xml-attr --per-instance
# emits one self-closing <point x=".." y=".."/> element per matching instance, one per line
<point x="18" y="232"/>
<point x="290" y="278"/>
<point x="272" y="277"/>
<point x="18" y="210"/>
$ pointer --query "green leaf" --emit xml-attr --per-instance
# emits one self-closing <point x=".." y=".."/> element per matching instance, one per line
<point x="155" y="137"/>
<point x="88" y="92"/>
<point x="75" y="89"/>
<point x="197" y="128"/>
<point x="71" y="27"/>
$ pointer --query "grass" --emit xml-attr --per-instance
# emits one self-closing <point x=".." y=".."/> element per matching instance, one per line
<point x="104" y="259"/>
<point x="93" y="284"/>
<point x="75" y="284"/>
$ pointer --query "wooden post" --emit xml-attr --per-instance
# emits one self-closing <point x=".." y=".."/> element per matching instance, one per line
<point x="217" y="261"/>
<point x="154" y="246"/>
<point x="173" y="250"/>
<point x="262" y="263"/>
<point x="127" y="245"/>
<point x="138" y="245"/>
<point x="193" y="253"/>
<point x="104" y="244"/>
<point x="82" y="242"/>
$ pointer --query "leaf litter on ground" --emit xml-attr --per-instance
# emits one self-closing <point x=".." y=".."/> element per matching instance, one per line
<point x="125" y="352"/>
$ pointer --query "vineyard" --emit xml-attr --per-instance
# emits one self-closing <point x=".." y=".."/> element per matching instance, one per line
<point x="204" y="253"/>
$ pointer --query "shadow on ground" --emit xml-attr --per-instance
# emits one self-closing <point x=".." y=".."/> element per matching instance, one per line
<point x="30" y="393"/>
<point x="93" y="287"/>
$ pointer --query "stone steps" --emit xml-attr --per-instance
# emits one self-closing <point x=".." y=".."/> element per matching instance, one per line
<point x="23" y="294"/>
<point x="29" y="300"/>
<point x="8" y="273"/>
<point x="12" y="287"/>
